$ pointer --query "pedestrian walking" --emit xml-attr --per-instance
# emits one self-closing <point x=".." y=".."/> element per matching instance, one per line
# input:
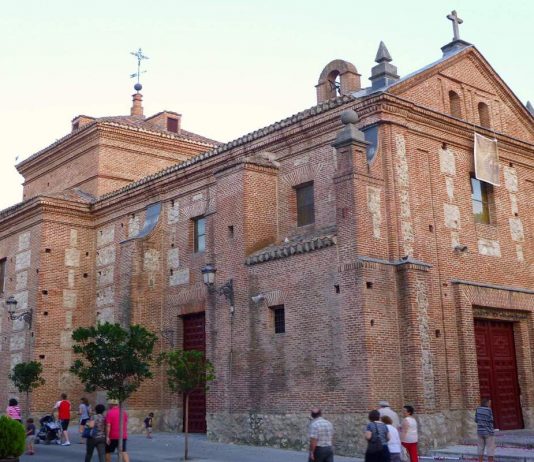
<point x="148" y="424"/>
<point x="97" y="438"/>
<point x="377" y="436"/>
<point x="84" y="411"/>
<point x="394" y="442"/>
<point x="30" y="436"/>
<point x="409" y="433"/>
<point x="112" y="430"/>
<point x="13" y="410"/>
<point x="485" y="430"/>
<point x="321" y="435"/>
<point x="385" y="409"/>
<point x="63" y="415"/>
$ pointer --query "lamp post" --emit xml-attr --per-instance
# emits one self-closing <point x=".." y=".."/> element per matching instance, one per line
<point x="227" y="289"/>
<point x="26" y="316"/>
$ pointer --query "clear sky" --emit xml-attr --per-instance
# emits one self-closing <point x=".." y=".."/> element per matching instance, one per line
<point x="229" y="67"/>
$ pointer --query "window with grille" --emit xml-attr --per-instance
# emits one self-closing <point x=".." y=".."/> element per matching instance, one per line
<point x="305" y="204"/>
<point x="480" y="195"/>
<point x="199" y="225"/>
<point x="279" y="317"/>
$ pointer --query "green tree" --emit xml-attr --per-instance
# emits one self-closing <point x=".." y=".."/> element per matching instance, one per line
<point x="113" y="359"/>
<point x="187" y="371"/>
<point x="27" y="377"/>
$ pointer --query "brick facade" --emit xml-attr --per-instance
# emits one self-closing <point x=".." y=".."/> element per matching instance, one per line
<point x="379" y="293"/>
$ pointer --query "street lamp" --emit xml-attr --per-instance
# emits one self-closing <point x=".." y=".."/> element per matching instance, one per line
<point x="227" y="289"/>
<point x="11" y="305"/>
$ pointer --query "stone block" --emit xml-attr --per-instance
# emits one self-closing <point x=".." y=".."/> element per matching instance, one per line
<point x="24" y="241"/>
<point x="151" y="260"/>
<point x="16" y="358"/>
<point x="452" y="216"/>
<point x="105" y="296"/>
<point x="71" y="277"/>
<point x="373" y="205"/>
<point x="21" y="280"/>
<point x="69" y="298"/>
<point x="73" y="238"/>
<point x="68" y="320"/>
<point x="519" y="252"/>
<point x="17" y="341"/>
<point x="510" y="179"/>
<point x="65" y="339"/>
<point x="23" y="260"/>
<point x="449" y="185"/>
<point x="105" y="315"/>
<point x="447" y="162"/>
<point x="72" y="257"/>
<point x="105" y="256"/>
<point x="105" y="236"/>
<point x="22" y="300"/>
<point x="516" y="229"/>
<point x="179" y="277"/>
<point x="104" y="276"/>
<point x="489" y="247"/>
<point x="134" y="226"/>
<point x="173" y="258"/>
<point x="173" y="213"/>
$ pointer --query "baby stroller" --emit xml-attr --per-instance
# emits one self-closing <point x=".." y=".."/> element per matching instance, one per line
<point x="50" y="431"/>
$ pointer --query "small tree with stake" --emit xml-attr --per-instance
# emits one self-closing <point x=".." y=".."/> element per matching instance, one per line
<point x="27" y="377"/>
<point x="187" y="371"/>
<point x="113" y="359"/>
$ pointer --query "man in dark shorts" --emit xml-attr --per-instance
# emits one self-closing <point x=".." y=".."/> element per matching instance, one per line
<point x="63" y="414"/>
<point x="112" y="430"/>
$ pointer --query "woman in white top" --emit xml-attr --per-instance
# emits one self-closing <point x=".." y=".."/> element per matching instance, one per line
<point x="409" y="433"/>
<point x="394" y="442"/>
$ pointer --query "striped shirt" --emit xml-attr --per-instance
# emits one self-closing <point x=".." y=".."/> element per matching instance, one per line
<point x="13" y="412"/>
<point x="484" y="420"/>
<point x="321" y="430"/>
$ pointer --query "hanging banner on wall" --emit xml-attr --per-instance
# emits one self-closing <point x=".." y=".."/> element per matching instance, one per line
<point x="486" y="160"/>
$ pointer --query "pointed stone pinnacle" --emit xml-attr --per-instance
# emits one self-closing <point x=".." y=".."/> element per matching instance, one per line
<point x="530" y="108"/>
<point x="382" y="54"/>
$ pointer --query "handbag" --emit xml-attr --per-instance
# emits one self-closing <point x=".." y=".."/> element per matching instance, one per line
<point x="374" y="445"/>
<point x="87" y="433"/>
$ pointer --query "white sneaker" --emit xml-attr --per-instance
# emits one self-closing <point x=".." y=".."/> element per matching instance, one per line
<point x="66" y="444"/>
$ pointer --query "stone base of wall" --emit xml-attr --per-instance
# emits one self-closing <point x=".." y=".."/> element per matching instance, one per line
<point x="168" y="420"/>
<point x="290" y="430"/>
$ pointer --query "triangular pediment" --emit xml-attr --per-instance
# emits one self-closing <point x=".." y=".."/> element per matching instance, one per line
<point x="467" y="74"/>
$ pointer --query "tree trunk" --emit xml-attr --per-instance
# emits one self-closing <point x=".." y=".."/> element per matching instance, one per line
<point x="121" y="430"/>
<point x="28" y="412"/>
<point x="186" y="426"/>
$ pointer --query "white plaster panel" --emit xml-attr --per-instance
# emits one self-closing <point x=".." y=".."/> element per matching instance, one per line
<point x="21" y="280"/>
<point x="16" y="358"/>
<point x="173" y="258"/>
<point x="449" y="184"/>
<point x="452" y="216"/>
<point x="65" y="339"/>
<point x="447" y="162"/>
<point x="134" y="225"/>
<point x="519" y="252"/>
<point x="516" y="229"/>
<point x="69" y="298"/>
<point x="105" y="256"/>
<point x="24" y="241"/>
<point x="105" y="296"/>
<point x="106" y="315"/>
<point x="373" y="204"/>
<point x="23" y="260"/>
<point x="71" y="276"/>
<point x="17" y="341"/>
<point x="105" y="236"/>
<point x="489" y="248"/>
<point x="173" y="215"/>
<point x="104" y="276"/>
<point x="510" y="179"/>
<point x="151" y="260"/>
<point x="73" y="238"/>
<point x="72" y="257"/>
<point x="179" y="277"/>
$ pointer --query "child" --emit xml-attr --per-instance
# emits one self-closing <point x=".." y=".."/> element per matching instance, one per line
<point x="30" y="435"/>
<point x="148" y="425"/>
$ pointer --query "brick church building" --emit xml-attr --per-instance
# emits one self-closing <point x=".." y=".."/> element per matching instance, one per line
<point x="356" y="250"/>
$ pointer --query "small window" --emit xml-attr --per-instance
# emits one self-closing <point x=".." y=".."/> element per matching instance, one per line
<point x="480" y="192"/>
<point x="172" y="125"/>
<point x="484" y="115"/>
<point x="3" y="263"/>
<point x="199" y="234"/>
<point x="279" y="317"/>
<point x="455" y="105"/>
<point x="305" y="204"/>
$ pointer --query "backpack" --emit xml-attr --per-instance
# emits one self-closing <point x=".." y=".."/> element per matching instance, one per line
<point x="374" y="445"/>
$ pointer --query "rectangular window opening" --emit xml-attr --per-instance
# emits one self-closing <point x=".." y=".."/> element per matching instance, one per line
<point x="279" y="319"/>
<point x="199" y="234"/>
<point x="172" y="125"/>
<point x="480" y="196"/>
<point x="3" y="263"/>
<point x="305" y="204"/>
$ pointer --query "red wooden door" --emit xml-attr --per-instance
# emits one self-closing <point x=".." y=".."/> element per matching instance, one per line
<point x="195" y="339"/>
<point x="497" y="371"/>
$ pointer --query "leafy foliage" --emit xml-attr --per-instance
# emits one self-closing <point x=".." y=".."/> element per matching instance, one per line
<point x="113" y="359"/>
<point x="12" y="438"/>
<point x="187" y="370"/>
<point x="27" y="376"/>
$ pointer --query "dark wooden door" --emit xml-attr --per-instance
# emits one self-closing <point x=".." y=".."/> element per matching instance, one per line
<point x="195" y="339"/>
<point x="497" y="371"/>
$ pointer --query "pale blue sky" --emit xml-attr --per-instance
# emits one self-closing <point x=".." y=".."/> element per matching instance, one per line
<point x="229" y="67"/>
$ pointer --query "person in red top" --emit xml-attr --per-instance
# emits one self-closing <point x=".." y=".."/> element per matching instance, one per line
<point x="63" y="414"/>
<point x="112" y="430"/>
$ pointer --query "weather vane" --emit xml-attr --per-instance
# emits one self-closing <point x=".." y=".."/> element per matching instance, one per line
<point x="140" y="56"/>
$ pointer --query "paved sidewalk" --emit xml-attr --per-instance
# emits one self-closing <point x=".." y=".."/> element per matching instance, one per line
<point x="170" y="447"/>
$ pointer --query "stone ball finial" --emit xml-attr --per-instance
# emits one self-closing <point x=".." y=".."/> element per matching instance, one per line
<point x="138" y="87"/>
<point x="349" y="117"/>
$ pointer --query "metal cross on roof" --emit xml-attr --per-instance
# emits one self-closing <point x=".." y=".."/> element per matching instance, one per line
<point x="455" y="21"/>
<point x="140" y="56"/>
